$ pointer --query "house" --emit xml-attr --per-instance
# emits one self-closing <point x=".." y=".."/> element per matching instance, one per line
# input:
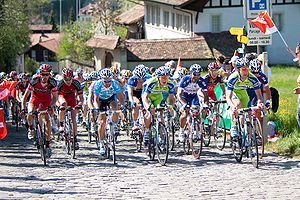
<point x="44" y="48"/>
<point x="165" y="19"/>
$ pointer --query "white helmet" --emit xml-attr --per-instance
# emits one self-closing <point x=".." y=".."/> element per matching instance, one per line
<point x="106" y="73"/>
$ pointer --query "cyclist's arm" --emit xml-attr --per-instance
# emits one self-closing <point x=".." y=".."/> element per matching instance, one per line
<point x="146" y="103"/>
<point x="268" y="92"/>
<point x="27" y="92"/>
<point x="223" y="89"/>
<point x="90" y="102"/>
<point x="203" y="94"/>
<point x="96" y="101"/>
<point x="229" y="94"/>
<point x="80" y="97"/>
<point x="18" y="95"/>
<point x="54" y="98"/>
<point x="259" y="96"/>
<point x="130" y="93"/>
<point x="120" y="97"/>
<point x="179" y="96"/>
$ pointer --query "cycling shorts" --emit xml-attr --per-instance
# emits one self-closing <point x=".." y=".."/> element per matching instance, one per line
<point x="137" y="94"/>
<point x="104" y="103"/>
<point x="71" y="102"/>
<point x="45" y="103"/>
<point x="242" y="96"/>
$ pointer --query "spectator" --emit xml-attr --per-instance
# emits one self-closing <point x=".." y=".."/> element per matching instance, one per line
<point x="297" y="91"/>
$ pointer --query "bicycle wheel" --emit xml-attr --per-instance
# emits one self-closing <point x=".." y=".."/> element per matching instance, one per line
<point x="187" y="143"/>
<point x="236" y="146"/>
<point x="252" y="146"/>
<point x="197" y="144"/>
<point x="16" y="117"/>
<point x="220" y="132"/>
<point x="206" y="134"/>
<point x="66" y="136"/>
<point x="172" y="135"/>
<point x="113" y="148"/>
<point x="42" y="142"/>
<point x="72" y="139"/>
<point x="259" y="137"/>
<point x="162" y="144"/>
<point x="151" y="143"/>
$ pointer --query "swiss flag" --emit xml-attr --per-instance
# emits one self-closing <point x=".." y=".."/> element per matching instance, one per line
<point x="264" y="23"/>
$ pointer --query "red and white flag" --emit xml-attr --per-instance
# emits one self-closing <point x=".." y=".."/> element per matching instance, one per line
<point x="264" y="23"/>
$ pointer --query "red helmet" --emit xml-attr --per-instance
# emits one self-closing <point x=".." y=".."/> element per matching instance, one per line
<point x="67" y="72"/>
<point x="13" y="74"/>
<point x="45" y="68"/>
<point x="213" y="66"/>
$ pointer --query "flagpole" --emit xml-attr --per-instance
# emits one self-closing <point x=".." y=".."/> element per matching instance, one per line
<point x="282" y="39"/>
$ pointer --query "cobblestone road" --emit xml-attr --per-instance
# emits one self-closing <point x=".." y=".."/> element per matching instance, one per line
<point x="215" y="176"/>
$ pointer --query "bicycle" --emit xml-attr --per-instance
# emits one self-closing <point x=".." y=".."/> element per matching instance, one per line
<point x="246" y="142"/>
<point x="158" y="137"/>
<point x="69" y="133"/>
<point x="127" y="119"/>
<point x="215" y="125"/>
<point x="170" y="126"/>
<point x="17" y="119"/>
<point x="110" y="136"/>
<point x="137" y="134"/>
<point x="194" y="138"/>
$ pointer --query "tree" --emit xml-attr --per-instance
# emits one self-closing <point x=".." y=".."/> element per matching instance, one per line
<point x="73" y="45"/>
<point x="51" y="20"/>
<point x="14" y="32"/>
<point x="72" y="16"/>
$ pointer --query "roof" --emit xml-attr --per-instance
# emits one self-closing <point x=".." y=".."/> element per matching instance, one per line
<point x="41" y="27"/>
<point x="169" y="2"/>
<point x="222" y="43"/>
<point x="87" y="10"/>
<point x="189" y="48"/>
<point x="195" y="5"/>
<point x="104" y="41"/>
<point x="47" y="40"/>
<point x="131" y="16"/>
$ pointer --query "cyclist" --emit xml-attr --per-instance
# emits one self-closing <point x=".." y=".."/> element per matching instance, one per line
<point x="79" y="75"/>
<point x="192" y="88"/>
<point x="90" y="101"/>
<point x="21" y="86"/>
<point x="69" y="90"/>
<point x="213" y="79"/>
<point x="236" y="94"/>
<point x="226" y="70"/>
<point x="135" y="87"/>
<point x="43" y="90"/>
<point x="153" y="93"/>
<point x="106" y="91"/>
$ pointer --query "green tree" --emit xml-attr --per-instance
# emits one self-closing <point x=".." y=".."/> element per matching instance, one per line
<point x="72" y="16"/>
<point x="51" y="21"/>
<point x="73" y="45"/>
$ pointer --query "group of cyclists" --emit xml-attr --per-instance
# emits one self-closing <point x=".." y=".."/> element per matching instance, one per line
<point x="241" y="80"/>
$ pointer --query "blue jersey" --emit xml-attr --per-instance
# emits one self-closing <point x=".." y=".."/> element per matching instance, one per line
<point x="263" y="79"/>
<point x="104" y="92"/>
<point x="133" y="81"/>
<point x="189" y="88"/>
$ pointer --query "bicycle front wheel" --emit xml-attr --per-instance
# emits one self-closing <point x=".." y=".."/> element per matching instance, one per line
<point x="73" y="139"/>
<point x="252" y="146"/>
<point x="42" y="142"/>
<point x="151" y="143"/>
<point x="220" y="133"/>
<point x="162" y="143"/>
<point x="259" y="137"/>
<point x="197" y="141"/>
<point x="236" y="147"/>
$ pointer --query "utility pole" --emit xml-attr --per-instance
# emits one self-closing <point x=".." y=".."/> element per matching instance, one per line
<point x="60" y="17"/>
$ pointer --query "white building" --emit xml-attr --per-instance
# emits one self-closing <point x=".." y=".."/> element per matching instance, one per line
<point x="167" y="19"/>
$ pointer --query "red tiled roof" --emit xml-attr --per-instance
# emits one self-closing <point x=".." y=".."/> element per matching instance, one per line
<point x="41" y="27"/>
<point x="131" y="16"/>
<point x="51" y="45"/>
<point x="47" y="40"/>
<point x="189" y="48"/>
<point x="104" y="41"/>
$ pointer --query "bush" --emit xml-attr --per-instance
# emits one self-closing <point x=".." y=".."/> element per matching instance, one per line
<point x="30" y="65"/>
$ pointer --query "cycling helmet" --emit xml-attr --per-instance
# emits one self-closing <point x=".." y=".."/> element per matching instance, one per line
<point x="163" y="71"/>
<point x="241" y="62"/>
<point x="13" y="74"/>
<point x="2" y="75"/>
<point x="115" y="70"/>
<point x="106" y="73"/>
<point x="172" y="64"/>
<point x="45" y="68"/>
<point x="146" y="69"/>
<point x="255" y="66"/>
<point x="23" y="76"/>
<point x="139" y="71"/>
<point x="79" y="71"/>
<point x="126" y="73"/>
<point x="94" y="75"/>
<point x="67" y="72"/>
<point x="58" y="77"/>
<point x="213" y="66"/>
<point x="183" y="71"/>
<point x="196" y="68"/>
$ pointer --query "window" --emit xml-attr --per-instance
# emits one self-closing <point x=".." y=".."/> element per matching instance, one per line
<point x="166" y="19"/>
<point x="186" y="23"/>
<point x="157" y="14"/>
<point x="152" y="15"/>
<point x="148" y="11"/>
<point x="173" y="20"/>
<point x="277" y="19"/>
<point x="33" y="54"/>
<point x="179" y="21"/>
<point x="215" y="23"/>
<point x="45" y="53"/>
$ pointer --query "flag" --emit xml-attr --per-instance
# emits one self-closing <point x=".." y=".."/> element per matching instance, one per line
<point x="179" y="64"/>
<point x="264" y="23"/>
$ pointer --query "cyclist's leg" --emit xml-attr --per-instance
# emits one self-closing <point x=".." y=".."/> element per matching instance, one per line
<point x="62" y="105"/>
<point x="102" y="119"/>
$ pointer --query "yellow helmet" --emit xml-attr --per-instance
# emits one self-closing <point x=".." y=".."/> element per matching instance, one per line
<point x="183" y="71"/>
<point x="115" y="70"/>
<point x="126" y="73"/>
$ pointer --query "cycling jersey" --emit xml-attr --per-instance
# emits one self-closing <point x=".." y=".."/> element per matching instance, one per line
<point x="263" y="79"/>
<point x="67" y="93"/>
<point x="157" y="93"/>
<point x="133" y="82"/>
<point x="106" y="92"/>
<point x="21" y="86"/>
<point x="239" y="87"/>
<point x="211" y="84"/>
<point x="41" y="92"/>
<point x="85" y="87"/>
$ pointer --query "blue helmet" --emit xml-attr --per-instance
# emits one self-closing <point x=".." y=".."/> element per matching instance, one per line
<point x="196" y="68"/>
<point x="163" y="71"/>
<point x="255" y="66"/>
<point x="241" y="62"/>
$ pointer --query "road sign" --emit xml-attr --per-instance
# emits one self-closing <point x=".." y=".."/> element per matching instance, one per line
<point x="236" y="31"/>
<point x="254" y="7"/>
<point x="242" y="39"/>
<point x="256" y="37"/>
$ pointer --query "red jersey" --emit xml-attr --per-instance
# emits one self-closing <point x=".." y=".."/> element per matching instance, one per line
<point x="22" y="86"/>
<point x="211" y="84"/>
<point x="69" y="91"/>
<point x="40" y="91"/>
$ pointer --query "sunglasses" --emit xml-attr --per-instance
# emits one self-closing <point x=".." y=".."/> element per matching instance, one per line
<point x="45" y="74"/>
<point x="68" y="79"/>
<point x="107" y="81"/>
<point x="164" y="77"/>
<point x="196" y="74"/>
<point x="245" y="69"/>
